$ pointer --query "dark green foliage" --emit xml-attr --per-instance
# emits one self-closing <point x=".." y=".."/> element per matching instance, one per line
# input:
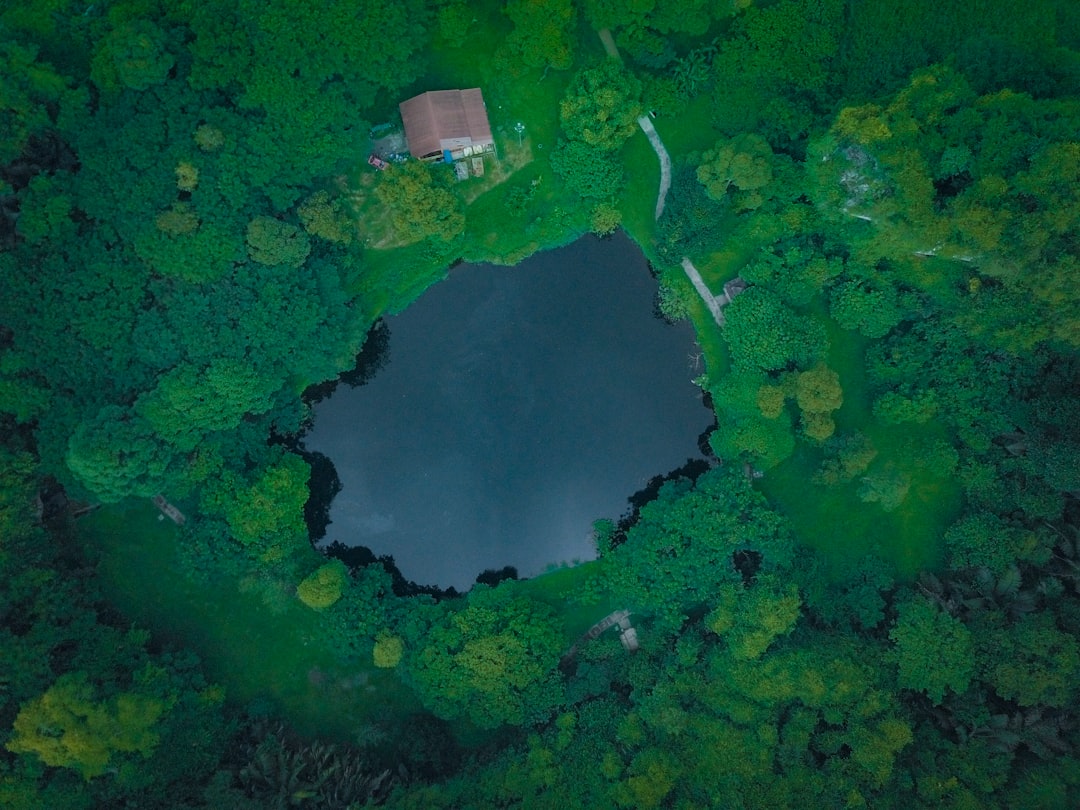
<point x="692" y="220"/>
<point x="763" y="333"/>
<point x="177" y="267"/>
<point x="590" y="172"/>
<point x="692" y="539"/>
<point x="541" y="37"/>
<point x="282" y="771"/>
<point x="86" y="708"/>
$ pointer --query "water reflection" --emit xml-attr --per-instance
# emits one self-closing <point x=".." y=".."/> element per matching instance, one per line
<point x="521" y="405"/>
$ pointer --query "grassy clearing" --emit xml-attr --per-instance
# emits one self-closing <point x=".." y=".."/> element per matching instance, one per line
<point x="835" y="520"/>
<point x="637" y="202"/>
<point x="691" y="130"/>
<point x="254" y="637"/>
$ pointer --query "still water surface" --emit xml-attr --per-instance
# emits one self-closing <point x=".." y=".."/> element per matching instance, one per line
<point x="518" y="406"/>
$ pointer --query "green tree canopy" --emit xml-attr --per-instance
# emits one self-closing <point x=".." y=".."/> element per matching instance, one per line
<point x="601" y="106"/>
<point x="421" y="203"/>
<point x="543" y="32"/>
<point x="323" y="587"/>
<point x="934" y="650"/>
<point x="67" y="727"/>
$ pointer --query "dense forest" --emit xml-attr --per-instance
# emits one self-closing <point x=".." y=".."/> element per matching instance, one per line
<point x="870" y="597"/>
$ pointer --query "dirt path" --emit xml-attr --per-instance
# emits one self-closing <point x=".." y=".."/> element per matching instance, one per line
<point x="650" y="131"/>
<point x="646" y="124"/>
<point x="665" y="161"/>
<point x="609" y="43"/>
<point x="714" y="305"/>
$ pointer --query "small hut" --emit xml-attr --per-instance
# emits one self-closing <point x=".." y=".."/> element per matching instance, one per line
<point x="447" y="125"/>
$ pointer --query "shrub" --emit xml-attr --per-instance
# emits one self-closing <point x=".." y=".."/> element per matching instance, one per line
<point x="323" y="587"/>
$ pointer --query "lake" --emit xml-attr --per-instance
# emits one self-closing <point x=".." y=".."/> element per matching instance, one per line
<point x="518" y="405"/>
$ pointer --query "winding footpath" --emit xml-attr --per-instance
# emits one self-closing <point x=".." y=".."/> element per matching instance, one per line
<point x="714" y="304"/>
<point x="665" y="163"/>
<point x="647" y="127"/>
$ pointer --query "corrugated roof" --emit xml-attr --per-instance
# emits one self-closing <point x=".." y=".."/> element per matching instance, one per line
<point x="437" y="116"/>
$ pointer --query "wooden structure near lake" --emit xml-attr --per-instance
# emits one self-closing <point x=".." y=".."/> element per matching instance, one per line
<point x="619" y="618"/>
<point x="447" y="125"/>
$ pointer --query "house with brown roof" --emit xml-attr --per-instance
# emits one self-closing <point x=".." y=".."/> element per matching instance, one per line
<point x="447" y="124"/>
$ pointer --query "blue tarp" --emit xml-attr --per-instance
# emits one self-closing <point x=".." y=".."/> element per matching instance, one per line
<point x="447" y="156"/>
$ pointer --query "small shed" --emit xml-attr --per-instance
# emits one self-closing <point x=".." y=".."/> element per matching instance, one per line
<point x="447" y="124"/>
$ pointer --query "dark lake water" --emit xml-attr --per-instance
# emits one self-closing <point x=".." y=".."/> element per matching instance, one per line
<point x="517" y="406"/>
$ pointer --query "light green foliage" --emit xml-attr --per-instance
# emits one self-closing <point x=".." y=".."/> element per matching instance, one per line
<point x="269" y="514"/>
<point x="872" y="309"/>
<point x="67" y="727"/>
<point x="818" y="394"/>
<point x="652" y="775"/>
<point x="421" y="203"/>
<point x="271" y="241"/>
<point x="795" y="271"/>
<point x="323" y="587"/>
<point x="453" y="20"/>
<point x="185" y="246"/>
<point x="190" y="401"/>
<point x="989" y="181"/>
<point x="326" y="217"/>
<point x="770" y="399"/>
<point x="387" y="651"/>
<point x="984" y="540"/>
<point x="751" y="619"/>
<point x="875" y="747"/>
<point x="177" y="219"/>
<point x="601" y="106"/>
<point x="893" y="408"/>
<point x="739" y="169"/>
<point x="761" y="436"/>
<point x="935" y="651"/>
<point x="494" y="662"/>
<point x="605" y="219"/>
<point x="590" y="172"/>
<point x="542" y="35"/>
<point x="208" y="138"/>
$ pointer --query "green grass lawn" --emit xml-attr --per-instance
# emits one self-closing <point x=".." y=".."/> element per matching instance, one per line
<point x="834" y="519"/>
<point x="254" y="638"/>
<point x="638" y="200"/>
